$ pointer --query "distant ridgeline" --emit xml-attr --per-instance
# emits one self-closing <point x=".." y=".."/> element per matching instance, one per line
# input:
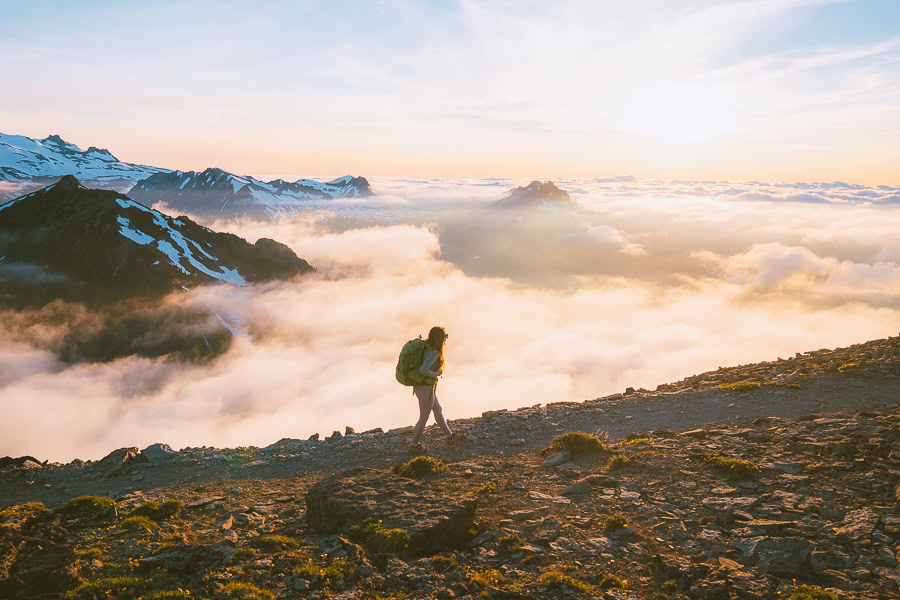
<point x="214" y="193"/>
<point x="100" y="248"/>
<point x="29" y="164"/>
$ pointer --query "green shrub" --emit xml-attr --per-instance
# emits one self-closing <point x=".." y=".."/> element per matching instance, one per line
<point x="120" y="588"/>
<point x="419" y="466"/>
<point x="740" y="386"/>
<point x="557" y="580"/>
<point x="88" y="507"/>
<point x="272" y="543"/>
<point x="244" y="591"/>
<point x="159" y="511"/>
<point x="733" y="468"/>
<point x="141" y="524"/>
<point x="578" y="444"/>
<point x="808" y="592"/>
<point x="379" y="539"/>
<point x="615" y="522"/>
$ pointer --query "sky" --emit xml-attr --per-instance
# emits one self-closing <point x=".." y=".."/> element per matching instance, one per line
<point x="631" y="283"/>
<point x="749" y="90"/>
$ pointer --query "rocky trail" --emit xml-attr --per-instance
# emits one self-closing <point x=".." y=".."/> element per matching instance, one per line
<point x="769" y="480"/>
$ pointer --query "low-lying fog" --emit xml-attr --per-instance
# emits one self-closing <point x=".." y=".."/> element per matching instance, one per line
<point x="633" y="283"/>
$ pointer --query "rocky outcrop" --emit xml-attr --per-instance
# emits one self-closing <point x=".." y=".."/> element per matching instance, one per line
<point x="355" y="496"/>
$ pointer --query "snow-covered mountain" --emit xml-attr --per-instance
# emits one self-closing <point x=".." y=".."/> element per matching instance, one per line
<point x="214" y="192"/>
<point x="67" y="241"/>
<point x="35" y="163"/>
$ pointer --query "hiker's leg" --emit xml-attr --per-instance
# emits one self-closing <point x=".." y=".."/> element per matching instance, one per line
<point x="423" y="394"/>
<point x="439" y="416"/>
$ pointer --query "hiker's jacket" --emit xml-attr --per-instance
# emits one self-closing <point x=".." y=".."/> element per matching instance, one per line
<point x="427" y="363"/>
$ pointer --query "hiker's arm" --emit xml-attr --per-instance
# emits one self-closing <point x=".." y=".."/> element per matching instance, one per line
<point x="427" y="362"/>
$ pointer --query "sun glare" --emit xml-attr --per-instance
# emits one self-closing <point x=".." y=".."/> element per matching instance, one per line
<point x="680" y="114"/>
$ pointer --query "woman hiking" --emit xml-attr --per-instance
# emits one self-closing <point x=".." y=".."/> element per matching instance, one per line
<point x="431" y="368"/>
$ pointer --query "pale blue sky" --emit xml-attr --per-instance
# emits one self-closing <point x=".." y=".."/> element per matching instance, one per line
<point x="761" y="89"/>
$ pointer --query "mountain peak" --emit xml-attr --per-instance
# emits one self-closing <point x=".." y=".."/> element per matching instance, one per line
<point x="534" y="194"/>
<point x="61" y="144"/>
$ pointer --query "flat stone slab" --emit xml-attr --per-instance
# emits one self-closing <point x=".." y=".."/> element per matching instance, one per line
<point x="351" y="497"/>
<point x="739" y="503"/>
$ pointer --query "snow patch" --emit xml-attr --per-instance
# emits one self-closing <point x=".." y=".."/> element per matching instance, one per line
<point x="136" y="236"/>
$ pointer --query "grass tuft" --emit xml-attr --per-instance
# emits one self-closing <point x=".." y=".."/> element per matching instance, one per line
<point x="27" y="511"/>
<point x="159" y="511"/>
<point x="272" y="543"/>
<point x="808" y="592"/>
<point x="419" y="466"/>
<point x="445" y="562"/>
<point x="610" y="582"/>
<point x="557" y="580"/>
<point x="121" y="588"/>
<point x="140" y="524"/>
<point x="244" y="591"/>
<point x="733" y="468"/>
<point x="488" y="487"/>
<point x="619" y="461"/>
<point x="578" y="443"/>
<point x="334" y="573"/>
<point x="614" y="523"/>
<point x="88" y="507"/>
<point x="379" y="539"/>
<point x="511" y="543"/>
<point x="488" y="577"/>
<point x="740" y="386"/>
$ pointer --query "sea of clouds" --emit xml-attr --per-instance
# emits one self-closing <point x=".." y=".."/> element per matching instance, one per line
<point x="633" y="283"/>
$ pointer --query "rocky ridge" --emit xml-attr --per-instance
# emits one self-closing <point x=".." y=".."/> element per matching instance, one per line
<point x="729" y="484"/>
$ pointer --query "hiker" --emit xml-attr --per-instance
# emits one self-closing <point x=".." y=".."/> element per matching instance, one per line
<point x="423" y="380"/>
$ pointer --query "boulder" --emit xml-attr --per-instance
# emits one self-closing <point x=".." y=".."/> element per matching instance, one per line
<point x="858" y="524"/>
<point x="158" y="453"/>
<point x="784" y="556"/>
<point x="119" y="461"/>
<point x="354" y="496"/>
<point x="557" y="458"/>
<point x="190" y="557"/>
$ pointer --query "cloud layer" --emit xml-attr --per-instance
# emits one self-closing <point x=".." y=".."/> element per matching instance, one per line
<point x="566" y="308"/>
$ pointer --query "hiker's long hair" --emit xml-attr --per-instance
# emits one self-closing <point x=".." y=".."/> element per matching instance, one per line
<point x="436" y="338"/>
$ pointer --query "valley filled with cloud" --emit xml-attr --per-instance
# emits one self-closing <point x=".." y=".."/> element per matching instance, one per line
<point x="628" y="282"/>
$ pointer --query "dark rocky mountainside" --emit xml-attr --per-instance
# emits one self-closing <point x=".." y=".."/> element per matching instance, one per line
<point x="535" y="195"/>
<point x="773" y="480"/>
<point x="66" y="241"/>
<point x="216" y="193"/>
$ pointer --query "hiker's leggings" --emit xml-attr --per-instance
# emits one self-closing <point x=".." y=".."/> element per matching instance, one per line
<point x="428" y="403"/>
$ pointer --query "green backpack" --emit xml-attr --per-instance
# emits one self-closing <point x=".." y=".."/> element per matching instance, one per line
<point x="409" y="362"/>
